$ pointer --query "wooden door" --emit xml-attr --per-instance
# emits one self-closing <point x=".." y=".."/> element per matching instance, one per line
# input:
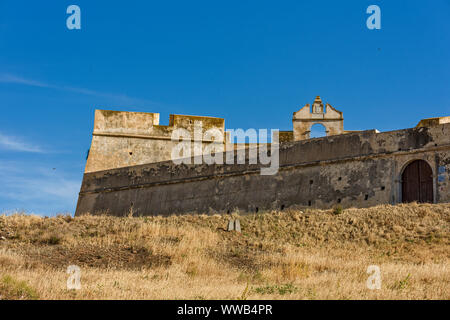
<point x="417" y="182"/>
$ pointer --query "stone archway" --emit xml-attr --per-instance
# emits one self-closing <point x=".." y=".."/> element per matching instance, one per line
<point x="417" y="182"/>
<point x="317" y="130"/>
<point x="330" y="118"/>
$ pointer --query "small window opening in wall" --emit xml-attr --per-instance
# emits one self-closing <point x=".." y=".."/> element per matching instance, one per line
<point x="383" y="188"/>
<point x="435" y="144"/>
<point x="309" y="203"/>
<point x="311" y="181"/>
<point x="366" y="197"/>
<point x="131" y="153"/>
<point x="339" y="201"/>
<point x="399" y="149"/>
<point x="340" y="178"/>
<point x="282" y="207"/>
<point x="228" y="211"/>
<point x="256" y="209"/>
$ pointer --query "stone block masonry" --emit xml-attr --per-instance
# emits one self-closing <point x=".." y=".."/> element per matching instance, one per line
<point x="356" y="169"/>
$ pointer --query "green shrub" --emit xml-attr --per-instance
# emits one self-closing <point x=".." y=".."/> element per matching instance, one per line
<point x="277" y="289"/>
<point x="338" y="210"/>
<point x="402" y="284"/>
<point x="12" y="289"/>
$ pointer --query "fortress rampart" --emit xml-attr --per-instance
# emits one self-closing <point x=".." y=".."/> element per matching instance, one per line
<point x="355" y="169"/>
<point x="122" y="139"/>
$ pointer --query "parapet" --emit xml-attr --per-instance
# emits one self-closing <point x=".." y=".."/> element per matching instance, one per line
<point x="119" y="122"/>
<point x="122" y="139"/>
<point x="432" y="122"/>
<point x="144" y="124"/>
<point x="188" y="122"/>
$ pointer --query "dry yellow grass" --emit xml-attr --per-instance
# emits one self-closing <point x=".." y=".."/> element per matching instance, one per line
<point x="294" y="254"/>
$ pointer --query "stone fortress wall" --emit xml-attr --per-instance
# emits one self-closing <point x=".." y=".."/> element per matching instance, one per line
<point x="351" y="169"/>
<point x="122" y="139"/>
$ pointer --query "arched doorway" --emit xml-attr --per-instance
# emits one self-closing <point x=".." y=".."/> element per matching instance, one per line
<point x="417" y="182"/>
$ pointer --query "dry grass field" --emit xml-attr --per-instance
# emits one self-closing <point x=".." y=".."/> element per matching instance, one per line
<point x="293" y="254"/>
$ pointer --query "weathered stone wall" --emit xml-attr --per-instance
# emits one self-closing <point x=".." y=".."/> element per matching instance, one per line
<point x="356" y="169"/>
<point x="122" y="139"/>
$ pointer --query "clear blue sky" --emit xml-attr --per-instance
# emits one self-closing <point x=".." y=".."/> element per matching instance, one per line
<point x="251" y="62"/>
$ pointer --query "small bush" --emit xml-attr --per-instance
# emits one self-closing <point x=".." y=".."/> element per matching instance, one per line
<point x="281" y="289"/>
<point x="338" y="210"/>
<point x="192" y="270"/>
<point x="52" y="240"/>
<point x="12" y="289"/>
<point x="402" y="284"/>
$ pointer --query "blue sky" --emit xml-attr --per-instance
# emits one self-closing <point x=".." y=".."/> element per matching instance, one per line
<point x="251" y="62"/>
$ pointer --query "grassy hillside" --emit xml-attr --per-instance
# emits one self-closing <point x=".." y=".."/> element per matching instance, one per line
<point x="293" y="254"/>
